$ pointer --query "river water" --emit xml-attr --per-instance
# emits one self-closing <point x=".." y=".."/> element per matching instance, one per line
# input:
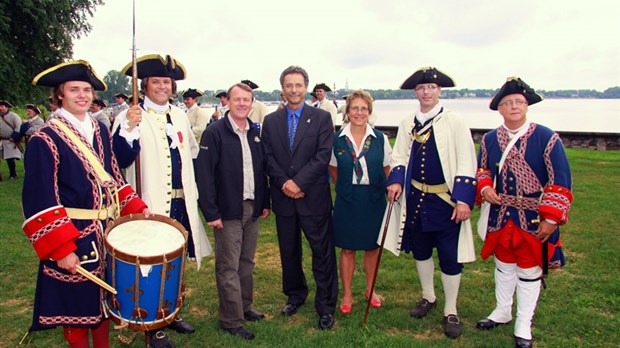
<point x="568" y="115"/>
<point x="562" y="115"/>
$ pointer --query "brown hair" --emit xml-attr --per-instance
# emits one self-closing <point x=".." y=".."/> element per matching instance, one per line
<point x="243" y="86"/>
<point x="360" y="94"/>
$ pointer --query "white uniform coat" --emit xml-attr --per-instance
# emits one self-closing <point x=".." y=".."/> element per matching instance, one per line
<point x="155" y="169"/>
<point x="454" y="141"/>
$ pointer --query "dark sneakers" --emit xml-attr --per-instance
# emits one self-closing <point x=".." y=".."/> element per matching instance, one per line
<point x="452" y="326"/>
<point x="422" y="308"/>
<point x="241" y="332"/>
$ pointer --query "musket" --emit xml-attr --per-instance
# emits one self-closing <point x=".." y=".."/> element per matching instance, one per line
<point x="374" y="276"/>
<point x="134" y="91"/>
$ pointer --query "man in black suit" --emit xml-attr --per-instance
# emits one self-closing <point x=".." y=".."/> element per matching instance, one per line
<point x="298" y="143"/>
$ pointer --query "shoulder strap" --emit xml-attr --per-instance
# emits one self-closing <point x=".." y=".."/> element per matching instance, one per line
<point x="102" y="175"/>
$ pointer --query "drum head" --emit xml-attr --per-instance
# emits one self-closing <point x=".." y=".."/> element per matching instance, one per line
<point x="145" y="238"/>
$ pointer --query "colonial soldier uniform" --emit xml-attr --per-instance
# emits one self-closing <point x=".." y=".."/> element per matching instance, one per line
<point x="101" y="114"/>
<point x="72" y="189"/>
<point x="198" y="117"/>
<point x="10" y="147"/>
<point x="221" y="109"/>
<point x="121" y="100"/>
<point x="166" y="146"/>
<point x="434" y="162"/>
<point x="325" y="103"/>
<point x="533" y="182"/>
<point x="259" y="109"/>
<point x="33" y="123"/>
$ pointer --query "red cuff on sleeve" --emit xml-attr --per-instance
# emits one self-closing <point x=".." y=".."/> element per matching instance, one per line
<point x="51" y="232"/>
<point x="130" y="202"/>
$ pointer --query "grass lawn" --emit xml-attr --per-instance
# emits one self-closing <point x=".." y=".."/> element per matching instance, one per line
<point x="579" y="308"/>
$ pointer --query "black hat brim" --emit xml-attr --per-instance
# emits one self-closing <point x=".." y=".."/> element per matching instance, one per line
<point x="515" y="85"/>
<point x="427" y="75"/>
<point x="321" y="86"/>
<point x="250" y="83"/>
<point x="221" y="94"/>
<point x="154" y="65"/>
<point x="78" y="70"/>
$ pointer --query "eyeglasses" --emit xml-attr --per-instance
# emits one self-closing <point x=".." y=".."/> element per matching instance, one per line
<point x="431" y="88"/>
<point x="357" y="109"/>
<point x="510" y="103"/>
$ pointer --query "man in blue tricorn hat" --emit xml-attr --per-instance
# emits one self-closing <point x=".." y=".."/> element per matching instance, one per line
<point x="433" y="164"/>
<point x="160" y="134"/>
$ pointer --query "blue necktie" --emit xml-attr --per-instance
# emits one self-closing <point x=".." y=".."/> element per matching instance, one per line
<point x="292" y="128"/>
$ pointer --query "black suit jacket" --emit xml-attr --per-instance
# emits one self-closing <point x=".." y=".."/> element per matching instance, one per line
<point x="219" y="172"/>
<point x="306" y="164"/>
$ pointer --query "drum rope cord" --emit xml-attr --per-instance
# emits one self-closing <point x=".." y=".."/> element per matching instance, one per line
<point x="164" y="270"/>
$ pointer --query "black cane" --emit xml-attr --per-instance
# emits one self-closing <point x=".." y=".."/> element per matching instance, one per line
<point x="374" y="276"/>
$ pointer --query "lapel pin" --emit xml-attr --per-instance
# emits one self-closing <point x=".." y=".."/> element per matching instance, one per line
<point x="309" y="120"/>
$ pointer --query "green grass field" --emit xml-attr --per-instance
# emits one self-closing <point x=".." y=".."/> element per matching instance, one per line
<point x="579" y="308"/>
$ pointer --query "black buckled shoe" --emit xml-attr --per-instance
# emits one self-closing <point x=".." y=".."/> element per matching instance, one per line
<point x="241" y="332"/>
<point x="422" y="308"/>
<point x="158" y="339"/>
<point x="488" y="324"/>
<point x="253" y="315"/>
<point x="452" y="326"/>
<point x="326" y="321"/>
<point x="522" y="343"/>
<point x="289" y="309"/>
<point x="181" y="326"/>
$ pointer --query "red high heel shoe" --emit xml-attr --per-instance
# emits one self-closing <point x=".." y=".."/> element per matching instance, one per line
<point x="374" y="303"/>
<point x="346" y="309"/>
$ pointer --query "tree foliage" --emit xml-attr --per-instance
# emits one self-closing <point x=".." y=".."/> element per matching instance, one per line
<point x="117" y="83"/>
<point x="35" y="35"/>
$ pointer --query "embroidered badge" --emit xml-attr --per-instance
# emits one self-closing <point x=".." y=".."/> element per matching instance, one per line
<point x="256" y="139"/>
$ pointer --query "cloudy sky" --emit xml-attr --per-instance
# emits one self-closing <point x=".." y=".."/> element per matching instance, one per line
<point x="373" y="44"/>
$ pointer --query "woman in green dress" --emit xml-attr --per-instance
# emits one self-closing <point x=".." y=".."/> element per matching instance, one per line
<point x="359" y="167"/>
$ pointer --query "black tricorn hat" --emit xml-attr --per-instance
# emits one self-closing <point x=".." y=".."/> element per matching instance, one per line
<point x="121" y="95"/>
<point x="322" y="86"/>
<point x="222" y="94"/>
<point x="33" y="108"/>
<point x="250" y="83"/>
<point x="192" y="93"/>
<point x="77" y="70"/>
<point x="155" y="65"/>
<point x="313" y="94"/>
<point x="6" y="103"/>
<point x="130" y="100"/>
<point x="514" y="85"/>
<point x="427" y="75"/>
<point x="100" y="102"/>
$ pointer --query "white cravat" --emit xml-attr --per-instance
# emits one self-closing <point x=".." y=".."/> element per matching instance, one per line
<point x="84" y="127"/>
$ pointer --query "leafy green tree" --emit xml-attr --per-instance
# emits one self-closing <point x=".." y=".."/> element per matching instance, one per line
<point x="35" y="35"/>
<point x="117" y="83"/>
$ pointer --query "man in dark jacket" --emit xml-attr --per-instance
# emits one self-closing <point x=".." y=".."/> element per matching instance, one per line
<point x="233" y="192"/>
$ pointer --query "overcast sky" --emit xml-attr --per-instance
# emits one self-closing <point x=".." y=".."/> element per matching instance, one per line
<point x="372" y="44"/>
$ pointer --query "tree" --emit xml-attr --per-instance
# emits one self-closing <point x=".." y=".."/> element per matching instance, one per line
<point x="36" y="35"/>
<point x="117" y="83"/>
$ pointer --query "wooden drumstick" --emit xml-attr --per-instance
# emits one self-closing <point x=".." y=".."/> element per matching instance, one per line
<point x="95" y="279"/>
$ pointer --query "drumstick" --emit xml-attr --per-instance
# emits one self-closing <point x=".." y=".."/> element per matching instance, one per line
<point x="95" y="279"/>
